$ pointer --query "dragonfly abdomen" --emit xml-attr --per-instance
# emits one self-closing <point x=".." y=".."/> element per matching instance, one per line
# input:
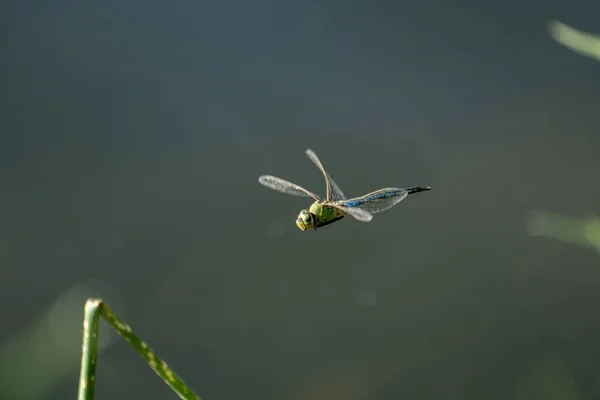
<point x="378" y="195"/>
<point x="385" y="194"/>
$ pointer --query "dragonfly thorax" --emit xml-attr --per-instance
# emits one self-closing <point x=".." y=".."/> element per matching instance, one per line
<point x="306" y="220"/>
<point x="319" y="214"/>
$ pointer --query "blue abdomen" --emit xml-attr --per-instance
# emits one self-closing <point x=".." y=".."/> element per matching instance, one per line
<point x="374" y="196"/>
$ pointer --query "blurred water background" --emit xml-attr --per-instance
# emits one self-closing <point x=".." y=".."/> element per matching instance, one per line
<point x="132" y="137"/>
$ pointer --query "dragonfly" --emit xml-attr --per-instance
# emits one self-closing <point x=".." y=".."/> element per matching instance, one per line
<point x="335" y="205"/>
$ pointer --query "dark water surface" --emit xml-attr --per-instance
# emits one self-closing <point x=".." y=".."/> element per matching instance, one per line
<point x="132" y="137"/>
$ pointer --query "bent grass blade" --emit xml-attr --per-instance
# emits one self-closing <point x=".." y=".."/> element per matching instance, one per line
<point x="96" y="308"/>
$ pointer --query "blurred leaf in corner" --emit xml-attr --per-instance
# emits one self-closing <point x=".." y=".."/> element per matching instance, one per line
<point x="584" y="43"/>
<point x="583" y="232"/>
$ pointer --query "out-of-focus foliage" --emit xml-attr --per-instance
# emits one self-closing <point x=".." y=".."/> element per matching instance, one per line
<point x="547" y="378"/>
<point x="38" y="358"/>
<point x="351" y="381"/>
<point x="584" y="43"/>
<point x="583" y="232"/>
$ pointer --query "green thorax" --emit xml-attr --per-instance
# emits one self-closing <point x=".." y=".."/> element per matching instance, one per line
<point x="325" y="214"/>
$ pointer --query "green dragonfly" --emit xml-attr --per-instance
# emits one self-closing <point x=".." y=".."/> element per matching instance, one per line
<point x="333" y="208"/>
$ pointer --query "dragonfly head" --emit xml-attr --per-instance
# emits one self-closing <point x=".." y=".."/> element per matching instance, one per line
<point x="306" y="220"/>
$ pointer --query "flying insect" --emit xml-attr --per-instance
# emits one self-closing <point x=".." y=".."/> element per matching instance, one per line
<point x="335" y="205"/>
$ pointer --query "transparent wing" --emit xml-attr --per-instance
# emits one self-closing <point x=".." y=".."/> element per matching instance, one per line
<point x="359" y="214"/>
<point x="334" y="193"/>
<point x="377" y="201"/>
<point x="286" y="187"/>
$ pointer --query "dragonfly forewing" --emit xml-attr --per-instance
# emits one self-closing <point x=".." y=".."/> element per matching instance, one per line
<point x="283" y="186"/>
<point x="334" y="193"/>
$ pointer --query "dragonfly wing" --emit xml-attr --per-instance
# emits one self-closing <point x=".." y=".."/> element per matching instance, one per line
<point x="358" y="214"/>
<point x="377" y="201"/>
<point x="334" y="193"/>
<point x="286" y="187"/>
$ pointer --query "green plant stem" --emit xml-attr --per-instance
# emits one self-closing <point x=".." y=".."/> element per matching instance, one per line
<point x="94" y="308"/>
<point x="89" y="351"/>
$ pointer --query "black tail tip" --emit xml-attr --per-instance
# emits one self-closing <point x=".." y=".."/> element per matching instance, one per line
<point x="418" y="189"/>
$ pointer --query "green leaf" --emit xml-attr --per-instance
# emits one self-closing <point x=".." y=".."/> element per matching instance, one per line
<point x="584" y="43"/>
